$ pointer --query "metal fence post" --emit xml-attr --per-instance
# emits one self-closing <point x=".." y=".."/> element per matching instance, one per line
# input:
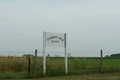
<point x="101" y="53"/>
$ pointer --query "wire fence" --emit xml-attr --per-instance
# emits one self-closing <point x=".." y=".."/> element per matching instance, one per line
<point x="60" y="54"/>
<point x="78" y="63"/>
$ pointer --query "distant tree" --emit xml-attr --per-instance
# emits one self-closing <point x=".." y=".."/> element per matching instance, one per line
<point x="106" y="56"/>
<point x="24" y="55"/>
<point x="115" y="55"/>
<point x="48" y="55"/>
<point x="27" y="55"/>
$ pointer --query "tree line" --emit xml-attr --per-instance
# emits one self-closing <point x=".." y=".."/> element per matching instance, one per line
<point x="114" y="55"/>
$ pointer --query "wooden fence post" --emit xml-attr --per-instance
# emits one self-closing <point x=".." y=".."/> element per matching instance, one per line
<point x="35" y="63"/>
<point x="101" y="53"/>
<point x="29" y="65"/>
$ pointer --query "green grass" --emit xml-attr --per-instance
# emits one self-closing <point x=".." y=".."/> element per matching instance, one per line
<point x="106" y="76"/>
<point x="18" y="67"/>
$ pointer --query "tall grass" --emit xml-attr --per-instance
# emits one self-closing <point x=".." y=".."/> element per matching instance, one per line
<point x="56" y="66"/>
<point x="12" y="64"/>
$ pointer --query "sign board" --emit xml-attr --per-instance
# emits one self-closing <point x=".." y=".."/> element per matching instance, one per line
<point x="55" y="39"/>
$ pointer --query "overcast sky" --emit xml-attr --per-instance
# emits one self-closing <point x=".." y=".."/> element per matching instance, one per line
<point x="91" y="25"/>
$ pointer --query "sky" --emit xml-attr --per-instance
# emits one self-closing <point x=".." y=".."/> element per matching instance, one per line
<point x="91" y="26"/>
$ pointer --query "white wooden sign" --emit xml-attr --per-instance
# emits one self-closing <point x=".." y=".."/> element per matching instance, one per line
<point x="54" y="39"/>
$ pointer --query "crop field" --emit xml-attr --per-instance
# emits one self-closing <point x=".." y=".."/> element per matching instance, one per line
<point x="17" y="67"/>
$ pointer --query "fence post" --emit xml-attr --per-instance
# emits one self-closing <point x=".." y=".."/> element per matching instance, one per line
<point x="29" y="65"/>
<point x="101" y="53"/>
<point x="35" y="63"/>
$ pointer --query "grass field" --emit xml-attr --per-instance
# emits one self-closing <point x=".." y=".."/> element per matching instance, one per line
<point x="106" y="76"/>
<point x="17" y="67"/>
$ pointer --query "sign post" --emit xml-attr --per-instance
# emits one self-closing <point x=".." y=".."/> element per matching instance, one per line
<point x="44" y="61"/>
<point x="65" y="54"/>
<point x="54" y="40"/>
